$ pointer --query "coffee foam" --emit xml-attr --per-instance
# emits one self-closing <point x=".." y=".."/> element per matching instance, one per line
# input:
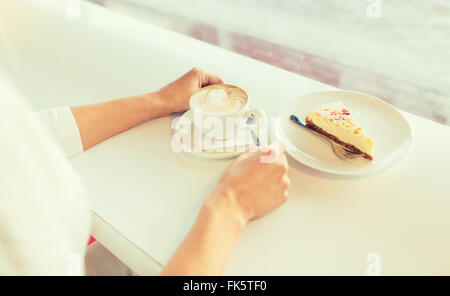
<point x="219" y="98"/>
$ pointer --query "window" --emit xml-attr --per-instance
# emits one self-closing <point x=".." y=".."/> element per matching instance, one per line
<point x="396" y="50"/>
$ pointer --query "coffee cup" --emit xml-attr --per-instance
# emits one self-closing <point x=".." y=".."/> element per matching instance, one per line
<point x="221" y="110"/>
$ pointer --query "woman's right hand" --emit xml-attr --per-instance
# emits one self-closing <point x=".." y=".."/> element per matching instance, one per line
<point x="253" y="187"/>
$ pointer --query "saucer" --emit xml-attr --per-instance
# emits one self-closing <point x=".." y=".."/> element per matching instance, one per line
<point x="186" y="138"/>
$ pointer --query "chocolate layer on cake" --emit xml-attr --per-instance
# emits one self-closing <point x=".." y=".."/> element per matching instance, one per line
<point x="350" y="147"/>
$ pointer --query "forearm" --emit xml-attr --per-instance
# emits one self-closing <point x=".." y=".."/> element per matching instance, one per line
<point x="206" y="248"/>
<point x="99" y="122"/>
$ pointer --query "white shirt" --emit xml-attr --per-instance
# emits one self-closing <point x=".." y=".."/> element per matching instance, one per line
<point x="44" y="213"/>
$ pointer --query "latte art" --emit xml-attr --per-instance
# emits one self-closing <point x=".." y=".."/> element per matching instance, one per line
<point x="220" y="111"/>
<point x="219" y="98"/>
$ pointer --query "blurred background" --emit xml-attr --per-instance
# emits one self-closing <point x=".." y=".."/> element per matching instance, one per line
<point x="398" y="50"/>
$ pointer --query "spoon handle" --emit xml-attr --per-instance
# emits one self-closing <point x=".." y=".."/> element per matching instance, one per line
<point x="298" y="121"/>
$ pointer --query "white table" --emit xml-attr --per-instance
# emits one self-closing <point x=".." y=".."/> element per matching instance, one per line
<point x="145" y="196"/>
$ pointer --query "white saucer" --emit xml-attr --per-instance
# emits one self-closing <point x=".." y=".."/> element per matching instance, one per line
<point x="230" y="147"/>
<point x="382" y="122"/>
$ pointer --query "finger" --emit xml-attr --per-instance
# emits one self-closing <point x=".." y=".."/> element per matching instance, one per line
<point x="273" y="151"/>
<point x="209" y="79"/>
<point x="286" y="181"/>
<point x="279" y="146"/>
<point x="283" y="160"/>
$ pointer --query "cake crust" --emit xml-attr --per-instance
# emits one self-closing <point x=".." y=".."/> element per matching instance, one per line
<point x="350" y="147"/>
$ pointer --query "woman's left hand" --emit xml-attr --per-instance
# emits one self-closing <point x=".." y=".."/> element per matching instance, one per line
<point x="178" y="93"/>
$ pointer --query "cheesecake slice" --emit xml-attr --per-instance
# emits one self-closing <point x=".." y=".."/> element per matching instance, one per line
<point x="337" y="123"/>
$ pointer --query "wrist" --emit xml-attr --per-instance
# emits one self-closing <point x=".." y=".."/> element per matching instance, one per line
<point x="156" y="104"/>
<point x="224" y="204"/>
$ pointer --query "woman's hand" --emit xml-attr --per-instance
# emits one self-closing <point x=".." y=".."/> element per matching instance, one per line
<point x="253" y="188"/>
<point x="99" y="122"/>
<point x="177" y="94"/>
<point x="250" y="188"/>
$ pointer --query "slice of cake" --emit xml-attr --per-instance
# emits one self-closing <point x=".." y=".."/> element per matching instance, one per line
<point x="336" y="123"/>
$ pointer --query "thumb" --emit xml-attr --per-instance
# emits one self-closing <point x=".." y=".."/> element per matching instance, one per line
<point x="272" y="155"/>
<point x="276" y="146"/>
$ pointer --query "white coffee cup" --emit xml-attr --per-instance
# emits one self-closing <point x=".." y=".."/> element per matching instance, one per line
<point x="220" y="109"/>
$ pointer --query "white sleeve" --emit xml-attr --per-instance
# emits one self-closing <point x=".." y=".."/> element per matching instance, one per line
<point x="62" y="125"/>
<point x="44" y="207"/>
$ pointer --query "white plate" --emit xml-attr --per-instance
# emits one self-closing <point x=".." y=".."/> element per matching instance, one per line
<point x="383" y="123"/>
